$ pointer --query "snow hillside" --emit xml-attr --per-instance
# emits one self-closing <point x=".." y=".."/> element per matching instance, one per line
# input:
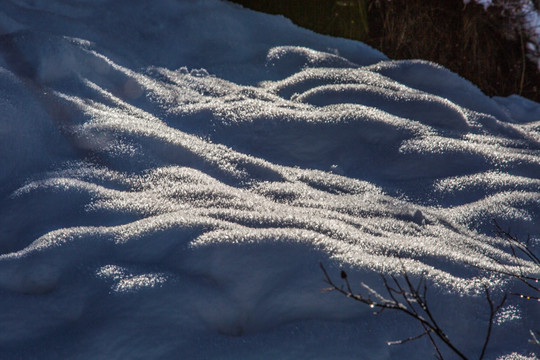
<point x="174" y="172"/>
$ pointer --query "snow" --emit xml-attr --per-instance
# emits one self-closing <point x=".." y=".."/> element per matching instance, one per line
<point x="173" y="174"/>
<point x="484" y="3"/>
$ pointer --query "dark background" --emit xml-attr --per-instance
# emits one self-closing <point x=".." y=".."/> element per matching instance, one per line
<point x="486" y="47"/>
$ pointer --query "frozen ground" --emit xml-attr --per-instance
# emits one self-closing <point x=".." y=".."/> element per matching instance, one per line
<point x="174" y="172"/>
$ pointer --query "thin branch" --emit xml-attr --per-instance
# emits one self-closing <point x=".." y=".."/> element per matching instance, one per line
<point x="412" y="303"/>
<point x="535" y="337"/>
<point x="399" y="342"/>
<point x="526" y="251"/>
<point x="410" y="297"/>
<point x="492" y="312"/>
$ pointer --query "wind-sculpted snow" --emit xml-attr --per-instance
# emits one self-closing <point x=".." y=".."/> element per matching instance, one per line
<point x="151" y="206"/>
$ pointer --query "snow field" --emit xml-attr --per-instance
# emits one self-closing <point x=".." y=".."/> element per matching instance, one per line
<point x="170" y="189"/>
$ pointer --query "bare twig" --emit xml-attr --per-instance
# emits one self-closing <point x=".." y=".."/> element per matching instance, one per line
<point x="520" y="251"/>
<point x="535" y="335"/>
<point x="399" y="342"/>
<point x="402" y="296"/>
<point x="493" y="309"/>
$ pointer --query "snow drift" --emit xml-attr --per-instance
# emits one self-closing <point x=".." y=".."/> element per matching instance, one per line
<point x="173" y="173"/>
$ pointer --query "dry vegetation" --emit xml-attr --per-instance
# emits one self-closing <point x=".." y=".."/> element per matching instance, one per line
<point x="485" y="47"/>
<point x="407" y="296"/>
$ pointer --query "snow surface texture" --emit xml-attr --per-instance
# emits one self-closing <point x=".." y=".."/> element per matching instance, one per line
<point x="174" y="172"/>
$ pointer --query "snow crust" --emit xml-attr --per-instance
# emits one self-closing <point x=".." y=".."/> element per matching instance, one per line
<point x="174" y="172"/>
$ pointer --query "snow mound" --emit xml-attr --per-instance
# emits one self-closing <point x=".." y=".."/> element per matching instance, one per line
<point x="163" y="194"/>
